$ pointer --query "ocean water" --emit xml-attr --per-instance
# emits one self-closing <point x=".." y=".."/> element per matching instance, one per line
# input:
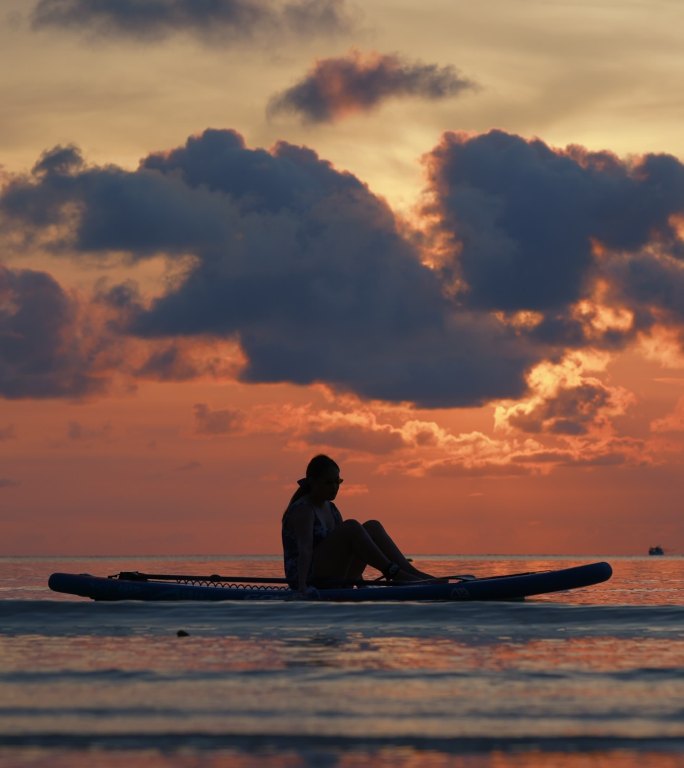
<point x="592" y="677"/>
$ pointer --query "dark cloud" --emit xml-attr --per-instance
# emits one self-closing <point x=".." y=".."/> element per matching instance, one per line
<point x="121" y="296"/>
<point x="43" y="204"/>
<point x="41" y="346"/>
<point x="218" y="21"/>
<point x="219" y="422"/>
<point x="381" y="440"/>
<point x="109" y="209"/>
<point x="80" y="432"/>
<point x="298" y="262"/>
<point x="168" y="363"/>
<point x="319" y="285"/>
<point x="311" y="275"/>
<point x="525" y="219"/>
<point x="190" y="466"/>
<point x="6" y="482"/>
<point x="651" y="282"/>
<point x="59" y="160"/>
<point x="341" y="86"/>
<point x="543" y="457"/>
<point x="614" y="453"/>
<point x="611" y="458"/>
<point x="456" y="468"/>
<point x="571" y="411"/>
<point x="8" y="432"/>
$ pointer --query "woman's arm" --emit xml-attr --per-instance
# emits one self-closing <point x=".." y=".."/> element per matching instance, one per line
<point x="302" y="520"/>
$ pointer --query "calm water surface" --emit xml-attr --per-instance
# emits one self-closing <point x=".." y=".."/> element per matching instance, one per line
<point x="593" y="677"/>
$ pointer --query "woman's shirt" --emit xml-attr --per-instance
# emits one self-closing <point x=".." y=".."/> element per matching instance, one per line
<point x="321" y="530"/>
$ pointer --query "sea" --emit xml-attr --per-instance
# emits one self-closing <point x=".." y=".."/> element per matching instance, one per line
<point x="585" y="678"/>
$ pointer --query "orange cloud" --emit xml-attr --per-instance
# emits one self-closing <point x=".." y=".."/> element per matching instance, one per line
<point x="673" y="422"/>
<point x="566" y="399"/>
<point x="358" y="82"/>
<point x="217" y="422"/>
<point x="663" y="345"/>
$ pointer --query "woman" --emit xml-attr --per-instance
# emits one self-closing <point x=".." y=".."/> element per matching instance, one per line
<point x="320" y="547"/>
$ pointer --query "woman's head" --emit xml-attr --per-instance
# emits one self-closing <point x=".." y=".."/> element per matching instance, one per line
<point x="322" y="479"/>
<point x="321" y="467"/>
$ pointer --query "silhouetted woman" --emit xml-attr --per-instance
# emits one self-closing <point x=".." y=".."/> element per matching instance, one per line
<point x="319" y="546"/>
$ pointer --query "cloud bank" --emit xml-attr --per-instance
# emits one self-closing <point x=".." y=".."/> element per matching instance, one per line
<point x="338" y="87"/>
<point x="42" y="348"/>
<point x="532" y="228"/>
<point x="533" y="252"/>
<point x="211" y="20"/>
<point x="299" y="262"/>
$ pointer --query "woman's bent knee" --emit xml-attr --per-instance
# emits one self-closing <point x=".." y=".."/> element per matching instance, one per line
<point x="373" y="525"/>
<point x="352" y="526"/>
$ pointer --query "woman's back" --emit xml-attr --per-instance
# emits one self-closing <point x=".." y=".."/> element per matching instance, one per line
<point x="321" y="529"/>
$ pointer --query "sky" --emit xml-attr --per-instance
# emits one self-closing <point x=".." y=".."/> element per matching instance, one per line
<point x="441" y="242"/>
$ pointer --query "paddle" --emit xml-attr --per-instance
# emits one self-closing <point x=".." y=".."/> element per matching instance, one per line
<point x="217" y="579"/>
<point x="214" y="578"/>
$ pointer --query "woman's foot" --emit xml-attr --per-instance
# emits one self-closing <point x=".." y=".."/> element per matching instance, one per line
<point x="424" y="576"/>
<point x="394" y="572"/>
<point x="409" y="577"/>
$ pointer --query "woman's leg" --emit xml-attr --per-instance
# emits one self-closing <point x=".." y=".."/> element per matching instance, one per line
<point x="386" y="545"/>
<point x="346" y="552"/>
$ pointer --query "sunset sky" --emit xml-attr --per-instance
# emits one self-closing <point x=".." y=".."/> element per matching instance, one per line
<point x="442" y="242"/>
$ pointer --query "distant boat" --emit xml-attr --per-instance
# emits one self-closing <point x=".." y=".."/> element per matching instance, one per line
<point x="656" y="551"/>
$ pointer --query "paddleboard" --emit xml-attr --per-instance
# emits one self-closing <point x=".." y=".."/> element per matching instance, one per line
<point x="510" y="587"/>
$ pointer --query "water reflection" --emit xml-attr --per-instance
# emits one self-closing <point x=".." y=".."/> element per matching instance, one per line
<point x="564" y="681"/>
<point x="344" y="651"/>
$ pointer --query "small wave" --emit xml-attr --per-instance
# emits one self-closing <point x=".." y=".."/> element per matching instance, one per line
<point x="516" y="620"/>
<point x="46" y="677"/>
<point x="260" y="742"/>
